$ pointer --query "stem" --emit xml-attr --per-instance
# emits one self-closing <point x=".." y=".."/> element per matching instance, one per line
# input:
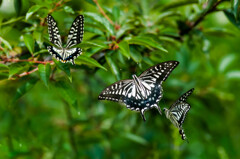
<point x="102" y="12"/>
<point x="70" y="129"/>
<point x="25" y="60"/>
<point x="191" y="25"/>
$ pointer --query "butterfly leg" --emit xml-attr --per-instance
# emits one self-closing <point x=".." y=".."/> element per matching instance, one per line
<point x="142" y="114"/>
<point x="158" y="108"/>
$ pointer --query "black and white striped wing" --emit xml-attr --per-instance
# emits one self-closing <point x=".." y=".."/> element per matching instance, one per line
<point x="53" y="32"/>
<point x="179" y="111"/>
<point x="158" y="73"/>
<point x="183" y="98"/>
<point x="75" y="35"/>
<point x="118" y="91"/>
<point x="67" y="56"/>
<point x="180" y="108"/>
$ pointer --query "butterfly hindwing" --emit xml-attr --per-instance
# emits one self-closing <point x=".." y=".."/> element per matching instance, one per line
<point x="117" y="91"/>
<point x="53" y="31"/>
<point x="75" y="34"/>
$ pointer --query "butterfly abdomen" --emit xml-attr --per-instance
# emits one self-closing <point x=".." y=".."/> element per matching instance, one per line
<point x="181" y="132"/>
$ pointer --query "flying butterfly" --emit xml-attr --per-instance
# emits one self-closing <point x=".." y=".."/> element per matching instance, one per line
<point x="178" y="111"/>
<point x="75" y="36"/>
<point x="143" y="92"/>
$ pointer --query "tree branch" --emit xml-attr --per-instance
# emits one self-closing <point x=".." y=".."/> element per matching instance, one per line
<point x="102" y="12"/>
<point x="25" y="60"/>
<point x="191" y="25"/>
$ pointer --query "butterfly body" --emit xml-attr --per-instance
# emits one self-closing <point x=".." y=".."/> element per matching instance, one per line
<point x="143" y="92"/>
<point x="178" y="111"/>
<point x="68" y="53"/>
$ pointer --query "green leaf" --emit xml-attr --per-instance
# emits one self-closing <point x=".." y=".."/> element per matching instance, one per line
<point x="66" y="92"/>
<point x="88" y="61"/>
<point x="40" y="52"/>
<point x="3" y="68"/>
<point x="124" y="47"/>
<point x="3" y="75"/>
<point x="233" y="74"/>
<point x="16" y="68"/>
<point x="68" y="9"/>
<point x="29" y="42"/>
<point x="123" y="30"/>
<point x="116" y="13"/>
<point x="102" y="21"/>
<point x="229" y="14"/>
<point x="91" y="2"/>
<point x="18" y="6"/>
<point x="222" y="32"/>
<point x="6" y="43"/>
<point x="146" y="41"/>
<point x="32" y="10"/>
<point x="64" y="67"/>
<point x="148" y="61"/>
<point x="135" y="55"/>
<point x="113" y="66"/>
<point x="13" y="20"/>
<point x="90" y="44"/>
<point x="135" y="138"/>
<point x="178" y="3"/>
<point x="24" y="89"/>
<point x="226" y="62"/>
<point x="38" y="36"/>
<point x="236" y="8"/>
<point x="44" y="73"/>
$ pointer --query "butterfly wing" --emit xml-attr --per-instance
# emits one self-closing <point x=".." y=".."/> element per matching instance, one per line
<point x="55" y="52"/>
<point x="179" y="111"/>
<point x="75" y="35"/>
<point x="158" y="73"/>
<point x="183" y="98"/>
<point x="53" y="32"/>
<point x="118" y="91"/>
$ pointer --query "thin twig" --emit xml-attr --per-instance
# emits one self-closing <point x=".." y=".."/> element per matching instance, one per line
<point x="25" y="60"/>
<point x="102" y="12"/>
<point x="201" y="17"/>
<point x="29" y="72"/>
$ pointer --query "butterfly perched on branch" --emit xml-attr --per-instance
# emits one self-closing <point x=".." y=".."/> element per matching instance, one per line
<point x="75" y="36"/>
<point x="178" y="111"/>
<point x="143" y="92"/>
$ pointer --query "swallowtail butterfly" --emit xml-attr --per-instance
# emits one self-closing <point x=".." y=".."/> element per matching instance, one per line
<point x="177" y="112"/>
<point x="143" y="92"/>
<point x="75" y="36"/>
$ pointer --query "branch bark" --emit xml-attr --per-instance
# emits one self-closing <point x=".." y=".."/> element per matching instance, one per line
<point x="102" y="12"/>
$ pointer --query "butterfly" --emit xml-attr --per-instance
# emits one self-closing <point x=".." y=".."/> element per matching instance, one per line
<point x="75" y="36"/>
<point x="143" y="92"/>
<point x="177" y="112"/>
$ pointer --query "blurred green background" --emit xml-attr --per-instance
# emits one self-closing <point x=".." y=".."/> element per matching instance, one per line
<point x="50" y="110"/>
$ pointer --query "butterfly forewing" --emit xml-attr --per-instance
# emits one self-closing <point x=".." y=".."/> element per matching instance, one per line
<point x="158" y="73"/>
<point x="75" y="35"/>
<point x="53" y="31"/>
<point x="183" y="98"/>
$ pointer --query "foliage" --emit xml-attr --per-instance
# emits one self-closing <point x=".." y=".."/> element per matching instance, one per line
<point x="50" y="110"/>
